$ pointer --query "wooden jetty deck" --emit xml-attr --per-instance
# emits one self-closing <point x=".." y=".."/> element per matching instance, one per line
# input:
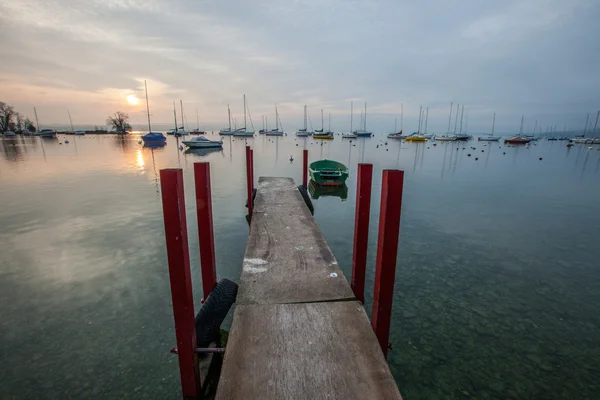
<point x="298" y="331"/>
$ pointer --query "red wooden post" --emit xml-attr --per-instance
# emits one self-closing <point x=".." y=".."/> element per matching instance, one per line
<point x="206" y="237"/>
<point x="173" y="200"/>
<point x="249" y="178"/>
<point x="387" y="251"/>
<point x="252" y="168"/>
<point x="361" y="230"/>
<point x="305" y="168"/>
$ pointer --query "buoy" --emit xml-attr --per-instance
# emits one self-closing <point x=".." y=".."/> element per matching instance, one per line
<point x="387" y="149"/>
<point x="377" y="146"/>
<point x="482" y="151"/>
<point x="140" y="142"/>
<point x="296" y="144"/>
<point x="385" y="143"/>
<point x="476" y="158"/>
<point x="503" y="152"/>
<point x="291" y="158"/>
<point x="66" y="141"/>
<point x="540" y="158"/>
<point x="468" y="155"/>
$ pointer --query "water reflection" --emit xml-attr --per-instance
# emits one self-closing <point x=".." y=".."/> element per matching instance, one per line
<point x="317" y="191"/>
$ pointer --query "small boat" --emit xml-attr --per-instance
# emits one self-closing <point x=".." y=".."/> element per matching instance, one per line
<point x="328" y="172"/>
<point x="349" y="136"/>
<point x="197" y="131"/>
<point x="446" y="138"/>
<point x="520" y="138"/>
<point x="80" y="133"/>
<point x="227" y="131"/>
<point x="27" y="132"/>
<point x="201" y="142"/>
<point x="321" y="133"/>
<point x="416" y="137"/>
<point x="171" y="132"/>
<point x="517" y="140"/>
<point x="9" y="134"/>
<point x="490" y="138"/>
<point x="203" y="151"/>
<point x="243" y="131"/>
<point x="363" y="132"/>
<point x="317" y="191"/>
<point x="48" y="133"/>
<point x="276" y="131"/>
<point x="552" y="139"/>
<point x="152" y="138"/>
<point x="304" y="131"/>
<point x="397" y="135"/>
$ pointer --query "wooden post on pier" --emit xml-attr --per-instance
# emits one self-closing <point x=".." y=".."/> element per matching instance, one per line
<point x="387" y="251"/>
<point x="361" y="230"/>
<point x="173" y="200"/>
<point x="305" y="168"/>
<point x="249" y="182"/>
<point x="206" y="237"/>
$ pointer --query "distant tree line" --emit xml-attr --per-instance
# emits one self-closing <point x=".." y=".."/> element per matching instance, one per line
<point x="12" y="120"/>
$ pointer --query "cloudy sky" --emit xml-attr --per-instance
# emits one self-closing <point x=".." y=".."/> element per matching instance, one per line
<point x="540" y="58"/>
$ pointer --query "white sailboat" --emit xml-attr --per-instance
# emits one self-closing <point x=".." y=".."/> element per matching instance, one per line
<point x="490" y="138"/>
<point x="227" y="131"/>
<point x="243" y="131"/>
<point x="363" y="131"/>
<point x="276" y="131"/>
<point x="304" y="131"/>
<point x="448" y="137"/>
<point x="152" y="138"/>
<point x="395" y="134"/>
<point x="197" y="131"/>
<point x="320" y="133"/>
<point x="181" y="131"/>
<point x="350" y="135"/>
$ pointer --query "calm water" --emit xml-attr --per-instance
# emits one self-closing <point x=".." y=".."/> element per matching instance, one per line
<point x="496" y="288"/>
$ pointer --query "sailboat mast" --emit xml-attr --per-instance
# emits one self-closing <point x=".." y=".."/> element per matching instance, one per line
<point x="420" y="114"/>
<point x="426" y="119"/>
<point x="71" y="121"/>
<point x="267" y="122"/>
<point x="197" y="120"/>
<point x="535" y="127"/>
<point x="322" y="120"/>
<point x="450" y="117"/>
<point x="305" y="127"/>
<point x="175" y="117"/>
<point x="401" y="115"/>
<point x="276" y="118"/>
<point x="244" y="112"/>
<point x="596" y="124"/>
<point x="229" y="115"/>
<point x="586" y="124"/>
<point x="182" y="124"/>
<point x="148" y="106"/>
<point x="351" y="114"/>
<point x="395" y="124"/>
<point x="329" y="129"/>
<point x="36" y="119"/>
<point x="456" y="118"/>
<point x="461" y="118"/>
<point x="521" y="130"/>
<point x="493" y="124"/>
<point x="365" y="120"/>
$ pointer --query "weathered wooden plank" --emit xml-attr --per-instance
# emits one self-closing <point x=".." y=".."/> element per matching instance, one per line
<point x="304" y="351"/>
<point x="287" y="259"/>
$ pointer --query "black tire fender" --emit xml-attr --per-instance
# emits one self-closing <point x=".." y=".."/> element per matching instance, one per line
<point x="214" y="310"/>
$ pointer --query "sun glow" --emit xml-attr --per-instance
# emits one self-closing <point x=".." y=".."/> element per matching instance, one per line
<point x="133" y="100"/>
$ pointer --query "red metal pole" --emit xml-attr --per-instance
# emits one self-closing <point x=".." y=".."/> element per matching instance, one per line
<point x="361" y="230"/>
<point x="173" y="200"/>
<point x="249" y="178"/>
<point x="305" y="168"/>
<point x="387" y="251"/>
<point x="206" y="237"/>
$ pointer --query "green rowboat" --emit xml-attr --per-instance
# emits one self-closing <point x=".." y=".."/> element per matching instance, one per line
<point x="328" y="172"/>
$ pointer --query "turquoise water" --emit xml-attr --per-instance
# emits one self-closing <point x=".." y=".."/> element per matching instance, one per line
<point x="496" y="286"/>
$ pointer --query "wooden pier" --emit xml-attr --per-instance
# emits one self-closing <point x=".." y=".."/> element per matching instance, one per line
<point x="298" y="331"/>
<point x="299" y="328"/>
